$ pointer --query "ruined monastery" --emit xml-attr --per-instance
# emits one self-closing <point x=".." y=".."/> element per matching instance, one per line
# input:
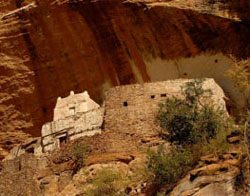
<point x="74" y="116"/>
<point x="128" y="108"/>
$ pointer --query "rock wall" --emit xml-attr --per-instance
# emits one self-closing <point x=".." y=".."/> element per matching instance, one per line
<point x="213" y="177"/>
<point x="71" y="128"/>
<point x="133" y="108"/>
<point x="215" y="174"/>
<point x="51" y="47"/>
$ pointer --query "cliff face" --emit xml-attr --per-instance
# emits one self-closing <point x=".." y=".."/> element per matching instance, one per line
<point x="51" y="47"/>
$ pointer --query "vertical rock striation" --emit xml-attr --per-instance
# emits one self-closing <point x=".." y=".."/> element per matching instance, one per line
<point x="51" y="47"/>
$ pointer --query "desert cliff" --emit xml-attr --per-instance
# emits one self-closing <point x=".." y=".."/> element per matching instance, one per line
<point x="51" y="47"/>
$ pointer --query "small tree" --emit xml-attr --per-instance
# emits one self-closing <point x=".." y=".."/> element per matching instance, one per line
<point x="188" y="120"/>
<point x="194" y="127"/>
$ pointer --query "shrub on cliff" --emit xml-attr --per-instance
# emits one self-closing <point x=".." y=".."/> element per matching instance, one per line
<point x="241" y="78"/>
<point x="106" y="183"/>
<point x="78" y="153"/>
<point x="169" y="168"/>
<point x="189" y="120"/>
<point x="195" y="127"/>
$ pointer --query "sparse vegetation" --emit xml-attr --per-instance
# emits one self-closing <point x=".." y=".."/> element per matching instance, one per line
<point x="168" y="168"/>
<point x="107" y="182"/>
<point x="78" y="153"/>
<point x="189" y="120"/>
<point x="241" y="77"/>
<point x="195" y="127"/>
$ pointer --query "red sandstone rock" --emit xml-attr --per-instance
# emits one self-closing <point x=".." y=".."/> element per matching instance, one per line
<point x="235" y="139"/>
<point x="57" y="46"/>
<point x="111" y="157"/>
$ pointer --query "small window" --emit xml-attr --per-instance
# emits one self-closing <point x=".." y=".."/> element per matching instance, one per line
<point x="185" y="74"/>
<point x="152" y="96"/>
<point x="72" y="111"/>
<point x="8" y="143"/>
<point x="30" y="150"/>
<point x="125" y="104"/>
<point x="44" y="110"/>
<point x="216" y="60"/>
<point x="163" y="95"/>
<point x="63" y="141"/>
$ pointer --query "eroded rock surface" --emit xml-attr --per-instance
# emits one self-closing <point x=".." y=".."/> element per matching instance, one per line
<point x="210" y="179"/>
<point x="54" y="174"/>
<point x="51" y="47"/>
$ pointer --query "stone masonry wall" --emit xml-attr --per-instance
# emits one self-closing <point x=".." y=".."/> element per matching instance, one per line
<point x="132" y="108"/>
<point x="72" y="127"/>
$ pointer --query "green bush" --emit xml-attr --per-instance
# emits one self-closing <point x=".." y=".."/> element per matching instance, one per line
<point x="107" y="183"/>
<point x="240" y="76"/>
<point x="174" y="116"/>
<point x="169" y="168"/>
<point x="241" y="79"/>
<point x="195" y="128"/>
<point x="78" y="153"/>
<point x="188" y="120"/>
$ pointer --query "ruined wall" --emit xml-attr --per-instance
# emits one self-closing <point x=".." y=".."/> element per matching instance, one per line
<point x="72" y="127"/>
<point x="133" y="108"/>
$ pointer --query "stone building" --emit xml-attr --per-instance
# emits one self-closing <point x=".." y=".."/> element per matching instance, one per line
<point x="132" y="108"/>
<point x="74" y="116"/>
